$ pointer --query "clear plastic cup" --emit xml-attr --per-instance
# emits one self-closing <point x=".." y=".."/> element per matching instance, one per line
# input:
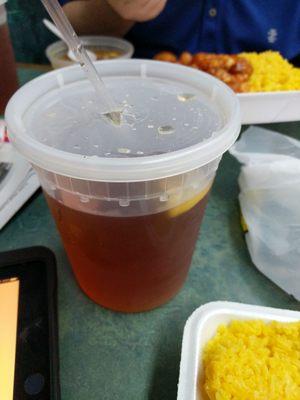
<point x="128" y="201"/>
<point x="57" y="51"/>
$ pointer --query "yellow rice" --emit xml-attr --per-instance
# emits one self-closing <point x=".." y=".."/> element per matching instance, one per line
<point x="252" y="360"/>
<point x="271" y="72"/>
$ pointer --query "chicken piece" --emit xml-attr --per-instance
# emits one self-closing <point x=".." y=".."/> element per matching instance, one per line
<point x="241" y="66"/>
<point x="166" y="56"/>
<point x="221" y="74"/>
<point x="203" y="60"/>
<point x="239" y="87"/>
<point x="185" y="58"/>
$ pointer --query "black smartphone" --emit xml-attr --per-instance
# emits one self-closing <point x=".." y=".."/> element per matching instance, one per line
<point x="28" y="325"/>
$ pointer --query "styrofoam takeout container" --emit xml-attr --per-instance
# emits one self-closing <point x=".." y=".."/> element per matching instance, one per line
<point x="202" y="325"/>
<point x="268" y="107"/>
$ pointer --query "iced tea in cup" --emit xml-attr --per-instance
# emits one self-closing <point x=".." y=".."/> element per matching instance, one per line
<point x="128" y="201"/>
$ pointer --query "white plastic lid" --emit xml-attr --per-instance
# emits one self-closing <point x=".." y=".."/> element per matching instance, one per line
<point x="184" y="119"/>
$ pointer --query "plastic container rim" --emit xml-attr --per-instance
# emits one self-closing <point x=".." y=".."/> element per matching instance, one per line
<point x="122" y="43"/>
<point x="119" y="169"/>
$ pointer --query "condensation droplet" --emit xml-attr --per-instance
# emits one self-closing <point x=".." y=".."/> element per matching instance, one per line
<point x="96" y="146"/>
<point x="107" y="154"/>
<point x="166" y="130"/>
<point x="164" y="197"/>
<point x="186" y="124"/>
<point x="124" y="202"/>
<point x="76" y="146"/>
<point x="150" y="126"/>
<point x="195" y="128"/>
<point x="124" y="150"/>
<point x="174" y="119"/>
<point x="140" y="153"/>
<point x="186" y="96"/>
<point x="134" y="129"/>
<point x="83" y="107"/>
<point x="84" y="199"/>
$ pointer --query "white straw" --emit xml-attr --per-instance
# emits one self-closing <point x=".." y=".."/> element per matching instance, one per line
<point x="107" y="105"/>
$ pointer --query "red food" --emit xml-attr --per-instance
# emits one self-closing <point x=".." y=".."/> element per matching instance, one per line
<point x="166" y="56"/>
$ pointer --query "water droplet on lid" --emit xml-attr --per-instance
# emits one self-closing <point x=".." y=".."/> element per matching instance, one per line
<point x="107" y="154"/>
<point x="134" y="129"/>
<point x="186" y="124"/>
<point x="150" y="126"/>
<point x="195" y="128"/>
<point x="83" y="107"/>
<point x="139" y="152"/>
<point x="124" y="202"/>
<point x="174" y="119"/>
<point x="186" y="96"/>
<point x="96" y="146"/>
<point x="124" y="150"/>
<point x="166" y="130"/>
<point x="76" y="146"/>
<point x="84" y="199"/>
<point x="164" y="197"/>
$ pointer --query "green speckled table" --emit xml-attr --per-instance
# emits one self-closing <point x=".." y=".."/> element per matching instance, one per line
<point x="111" y="356"/>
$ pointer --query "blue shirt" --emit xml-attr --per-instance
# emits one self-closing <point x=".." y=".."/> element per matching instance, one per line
<point x="220" y="26"/>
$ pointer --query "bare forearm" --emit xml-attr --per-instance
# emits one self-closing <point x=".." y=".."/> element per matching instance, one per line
<point x="96" y="17"/>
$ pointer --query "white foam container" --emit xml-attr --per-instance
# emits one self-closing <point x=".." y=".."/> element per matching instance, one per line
<point x="202" y="325"/>
<point x="268" y="107"/>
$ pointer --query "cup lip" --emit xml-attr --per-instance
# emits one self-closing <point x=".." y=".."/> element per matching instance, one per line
<point x="131" y="169"/>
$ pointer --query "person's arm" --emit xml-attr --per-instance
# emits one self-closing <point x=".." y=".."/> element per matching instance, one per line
<point x="111" y="17"/>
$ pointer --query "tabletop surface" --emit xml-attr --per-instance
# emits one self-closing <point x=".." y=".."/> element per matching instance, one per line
<point x="113" y="356"/>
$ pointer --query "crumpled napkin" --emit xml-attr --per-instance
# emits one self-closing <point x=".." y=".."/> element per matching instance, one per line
<point x="270" y="203"/>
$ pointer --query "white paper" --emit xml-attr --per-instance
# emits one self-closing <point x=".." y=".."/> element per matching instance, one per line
<point x="18" y="181"/>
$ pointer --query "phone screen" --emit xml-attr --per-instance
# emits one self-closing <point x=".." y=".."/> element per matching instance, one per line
<point x="9" y="303"/>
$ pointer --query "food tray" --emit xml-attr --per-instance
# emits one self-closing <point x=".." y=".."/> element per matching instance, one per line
<point x="268" y="107"/>
<point x="202" y="326"/>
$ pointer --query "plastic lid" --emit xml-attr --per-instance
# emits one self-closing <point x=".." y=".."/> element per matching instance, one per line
<point x="176" y="119"/>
